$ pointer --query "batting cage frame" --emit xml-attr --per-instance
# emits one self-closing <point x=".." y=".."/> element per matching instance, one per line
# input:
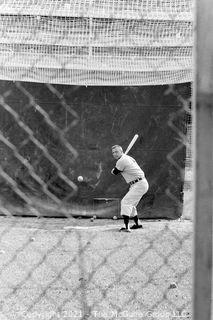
<point x="203" y="157"/>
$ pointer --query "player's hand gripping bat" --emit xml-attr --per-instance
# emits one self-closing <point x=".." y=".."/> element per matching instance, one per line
<point x="132" y="142"/>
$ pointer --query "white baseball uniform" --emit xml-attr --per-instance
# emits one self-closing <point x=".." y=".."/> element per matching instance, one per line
<point x="131" y="172"/>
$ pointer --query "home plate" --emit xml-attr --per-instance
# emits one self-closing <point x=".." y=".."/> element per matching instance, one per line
<point x="108" y="227"/>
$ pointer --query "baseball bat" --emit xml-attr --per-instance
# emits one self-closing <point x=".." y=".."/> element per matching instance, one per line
<point x="131" y="144"/>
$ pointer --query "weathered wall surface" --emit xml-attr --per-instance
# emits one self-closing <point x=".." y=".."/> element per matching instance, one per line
<point x="102" y="116"/>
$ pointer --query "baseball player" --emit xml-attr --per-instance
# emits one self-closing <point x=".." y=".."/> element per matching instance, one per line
<point x="134" y="176"/>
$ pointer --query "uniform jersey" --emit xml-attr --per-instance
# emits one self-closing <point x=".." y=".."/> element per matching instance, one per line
<point x="129" y="168"/>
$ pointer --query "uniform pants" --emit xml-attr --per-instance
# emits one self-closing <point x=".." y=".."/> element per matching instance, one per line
<point x="132" y="198"/>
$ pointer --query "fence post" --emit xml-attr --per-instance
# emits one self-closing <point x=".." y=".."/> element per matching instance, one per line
<point x="203" y="161"/>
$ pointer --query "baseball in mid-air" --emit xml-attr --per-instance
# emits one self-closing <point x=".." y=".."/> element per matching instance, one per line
<point x="80" y="178"/>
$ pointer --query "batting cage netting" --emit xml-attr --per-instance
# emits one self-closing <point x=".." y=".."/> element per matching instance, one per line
<point x="97" y="42"/>
<point x="76" y="78"/>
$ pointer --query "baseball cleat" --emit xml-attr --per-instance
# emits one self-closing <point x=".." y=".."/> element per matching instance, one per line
<point x="136" y="226"/>
<point x="123" y="229"/>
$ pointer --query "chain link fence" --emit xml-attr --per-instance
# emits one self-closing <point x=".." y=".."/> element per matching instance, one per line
<point x="68" y="268"/>
<point x="62" y="256"/>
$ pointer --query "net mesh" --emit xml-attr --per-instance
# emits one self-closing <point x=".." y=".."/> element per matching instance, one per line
<point x="171" y="9"/>
<point x="97" y="42"/>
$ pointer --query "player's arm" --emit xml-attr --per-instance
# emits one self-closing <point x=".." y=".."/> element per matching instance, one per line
<point x="115" y="171"/>
<point x="119" y="167"/>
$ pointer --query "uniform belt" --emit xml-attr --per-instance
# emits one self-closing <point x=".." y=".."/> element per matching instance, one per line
<point x="134" y="181"/>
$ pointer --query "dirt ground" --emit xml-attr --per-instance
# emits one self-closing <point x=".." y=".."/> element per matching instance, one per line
<point x="81" y="269"/>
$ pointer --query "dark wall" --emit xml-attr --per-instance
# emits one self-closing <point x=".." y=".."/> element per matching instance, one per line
<point x="94" y="119"/>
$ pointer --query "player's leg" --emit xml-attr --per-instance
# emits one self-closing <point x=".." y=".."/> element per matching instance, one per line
<point x="130" y="201"/>
<point x="137" y="224"/>
<point x="137" y="192"/>
<point x="126" y="224"/>
<point x="126" y="209"/>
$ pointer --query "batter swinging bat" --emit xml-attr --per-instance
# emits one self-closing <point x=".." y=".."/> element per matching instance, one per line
<point x="131" y="143"/>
